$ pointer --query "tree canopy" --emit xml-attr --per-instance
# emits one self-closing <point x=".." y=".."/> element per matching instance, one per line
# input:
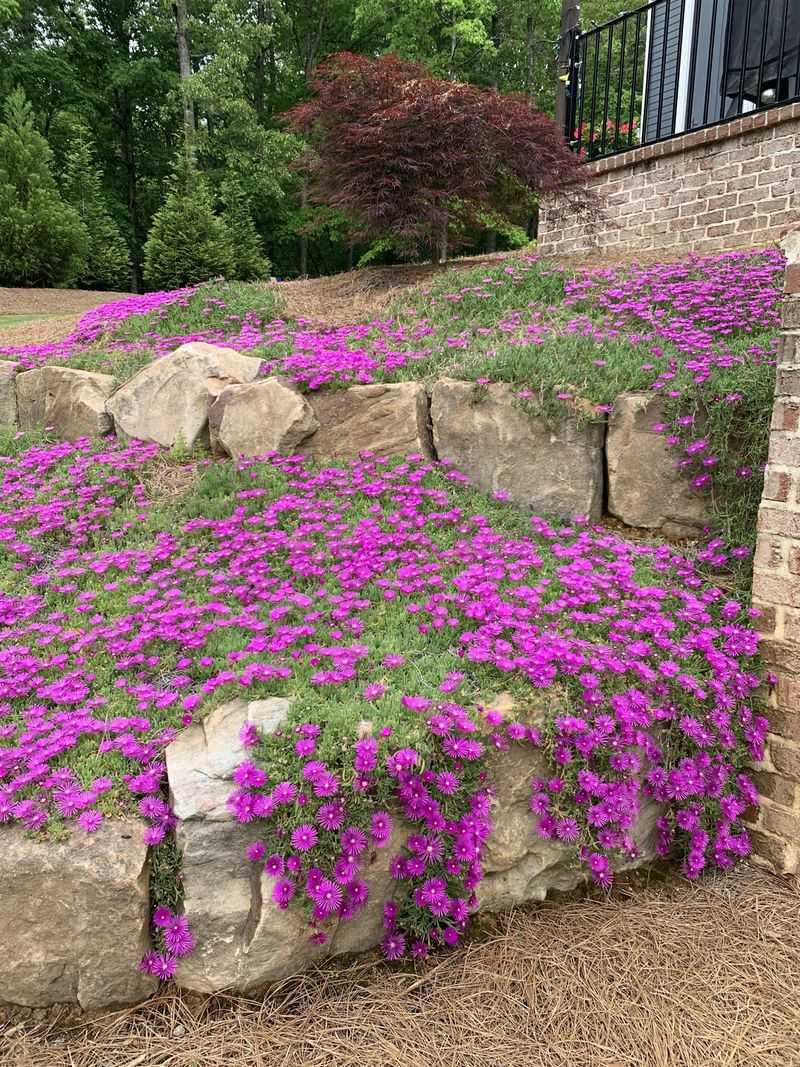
<point x="128" y="82"/>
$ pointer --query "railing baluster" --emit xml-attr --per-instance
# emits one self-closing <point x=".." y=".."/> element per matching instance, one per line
<point x="618" y="112"/>
<point x="585" y="44"/>
<point x="745" y="46"/>
<point x="633" y="76"/>
<point x="595" y="34"/>
<point x="698" y="14"/>
<point x="760" y="82"/>
<point x="677" y="80"/>
<point x="779" y="71"/>
<point x="710" y="67"/>
<point x="663" y="78"/>
<point x="609" y="52"/>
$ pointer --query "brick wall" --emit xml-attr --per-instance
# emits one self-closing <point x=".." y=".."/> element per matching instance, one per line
<point x="776" y="590"/>
<point x="729" y="186"/>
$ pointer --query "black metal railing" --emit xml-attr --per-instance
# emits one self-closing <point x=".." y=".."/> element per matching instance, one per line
<point x="674" y="66"/>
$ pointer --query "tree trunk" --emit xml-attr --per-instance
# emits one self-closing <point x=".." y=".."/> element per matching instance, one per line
<point x="185" y="68"/>
<point x="529" y="57"/>
<point x="570" y="25"/>
<point x="125" y="122"/>
<point x="443" y="239"/>
<point x="303" y="236"/>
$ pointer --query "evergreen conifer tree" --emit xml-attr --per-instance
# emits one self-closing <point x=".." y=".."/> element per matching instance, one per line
<point x="42" y="239"/>
<point x="187" y="242"/>
<point x="250" y="263"/>
<point x="108" y="259"/>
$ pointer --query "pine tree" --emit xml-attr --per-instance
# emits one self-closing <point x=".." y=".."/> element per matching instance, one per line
<point x="108" y="259"/>
<point x="250" y="263"/>
<point x="42" y="239"/>
<point x="187" y="241"/>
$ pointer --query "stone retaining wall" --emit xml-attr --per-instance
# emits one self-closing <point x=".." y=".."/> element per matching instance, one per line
<point x="200" y="392"/>
<point x="728" y="186"/>
<point x="75" y="916"/>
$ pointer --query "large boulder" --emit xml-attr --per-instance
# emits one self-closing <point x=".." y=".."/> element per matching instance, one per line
<point x="262" y="417"/>
<point x="71" y="403"/>
<point x="390" y="420"/>
<point x="519" y="866"/>
<point x="168" y="400"/>
<point x="550" y="468"/>
<point x="644" y="486"/>
<point x="244" y="940"/>
<point x="75" y="918"/>
<point x="8" y="393"/>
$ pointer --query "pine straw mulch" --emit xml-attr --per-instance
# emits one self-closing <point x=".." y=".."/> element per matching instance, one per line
<point x="663" y="976"/>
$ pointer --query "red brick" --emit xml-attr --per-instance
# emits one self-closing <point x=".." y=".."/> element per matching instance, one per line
<point x="771" y="553"/>
<point x="776" y="589"/>
<point x="784" y="721"/>
<point x="777" y="484"/>
<point x="794" y="559"/>
<point x="791" y="279"/>
<point x="779" y="521"/>
<point x="780" y="656"/>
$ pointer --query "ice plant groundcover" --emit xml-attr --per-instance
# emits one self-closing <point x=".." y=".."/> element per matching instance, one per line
<point x="699" y="333"/>
<point x="392" y="593"/>
<point x="386" y="592"/>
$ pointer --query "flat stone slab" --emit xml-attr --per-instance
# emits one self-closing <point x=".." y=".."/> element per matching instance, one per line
<point x="72" y="403"/>
<point x="389" y="420"/>
<point x="75" y="918"/>
<point x="549" y="468"/>
<point x="644" y="486"/>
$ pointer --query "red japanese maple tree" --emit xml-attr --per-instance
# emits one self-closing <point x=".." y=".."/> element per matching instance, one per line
<point x="404" y="154"/>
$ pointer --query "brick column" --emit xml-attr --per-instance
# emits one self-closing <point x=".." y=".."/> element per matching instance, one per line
<point x="776" y="591"/>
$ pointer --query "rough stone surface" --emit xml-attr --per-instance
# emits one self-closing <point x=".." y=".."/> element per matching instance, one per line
<point x="8" y="393"/>
<point x="71" y="402"/>
<point x="390" y="420"/>
<point x="74" y="918"/>
<point x="644" y="487"/>
<point x="519" y="866"/>
<point x="264" y="416"/>
<point x="168" y="400"/>
<point x="551" y="469"/>
<point x="245" y="940"/>
<point x="202" y="758"/>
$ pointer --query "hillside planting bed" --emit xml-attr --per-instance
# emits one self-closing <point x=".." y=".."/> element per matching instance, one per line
<point x="429" y="647"/>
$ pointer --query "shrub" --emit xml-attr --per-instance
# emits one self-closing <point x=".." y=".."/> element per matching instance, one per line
<point x="42" y="239"/>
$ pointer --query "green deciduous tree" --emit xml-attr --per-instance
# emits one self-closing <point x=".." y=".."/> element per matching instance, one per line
<point x="42" y="239"/>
